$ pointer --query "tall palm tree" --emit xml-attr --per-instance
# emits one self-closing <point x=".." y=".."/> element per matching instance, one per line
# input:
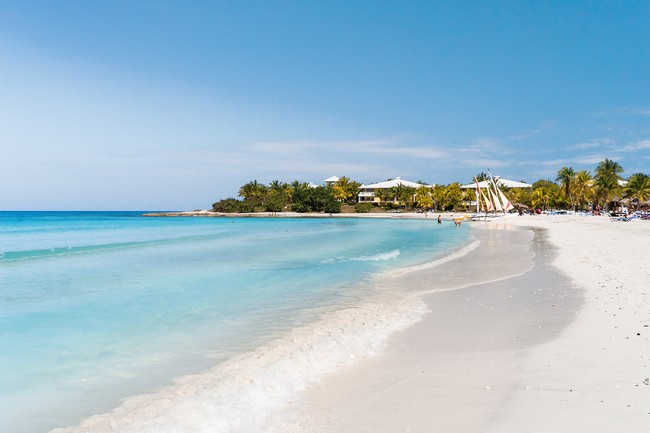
<point x="607" y="188"/>
<point x="638" y="187"/>
<point x="254" y="193"/>
<point x="609" y="167"/>
<point x="583" y="187"/>
<point x="340" y="189"/>
<point x="423" y="197"/>
<point x="565" y="176"/>
<point x="453" y="195"/>
<point x="277" y="186"/>
<point x="438" y="195"/>
<point x="345" y="189"/>
<point x="250" y="190"/>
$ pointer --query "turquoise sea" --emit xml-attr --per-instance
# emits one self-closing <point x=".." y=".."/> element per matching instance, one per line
<point x="99" y="306"/>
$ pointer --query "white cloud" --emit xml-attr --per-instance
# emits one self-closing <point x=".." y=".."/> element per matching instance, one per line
<point x="377" y="148"/>
<point x="591" y="159"/>
<point x="484" y="164"/>
<point x="636" y="146"/>
<point x="483" y="144"/>
<point x="553" y="163"/>
<point x="526" y="135"/>
<point x="595" y="143"/>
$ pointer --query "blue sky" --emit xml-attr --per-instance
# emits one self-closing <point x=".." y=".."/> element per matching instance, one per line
<point x="173" y="104"/>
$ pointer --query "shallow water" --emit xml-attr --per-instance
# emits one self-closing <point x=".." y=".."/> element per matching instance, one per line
<point x="99" y="306"/>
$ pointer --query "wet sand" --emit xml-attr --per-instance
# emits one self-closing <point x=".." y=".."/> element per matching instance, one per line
<point x="456" y="368"/>
<point x="562" y="346"/>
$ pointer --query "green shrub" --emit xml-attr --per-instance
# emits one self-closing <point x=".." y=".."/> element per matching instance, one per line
<point x="363" y="207"/>
<point x="228" y="205"/>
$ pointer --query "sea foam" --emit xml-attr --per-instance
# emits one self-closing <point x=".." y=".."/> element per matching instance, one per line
<point x="243" y="394"/>
<point x="248" y="304"/>
<point x="372" y="258"/>
<point x="254" y="392"/>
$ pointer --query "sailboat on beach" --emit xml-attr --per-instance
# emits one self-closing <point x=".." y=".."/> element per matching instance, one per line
<point x="491" y="204"/>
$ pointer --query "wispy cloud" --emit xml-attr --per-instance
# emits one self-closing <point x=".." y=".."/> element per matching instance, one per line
<point x="483" y="164"/>
<point x="553" y="162"/>
<point x="377" y="148"/>
<point x="526" y="135"/>
<point x="636" y="146"/>
<point x="592" y="159"/>
<point x="637" y="111"/>
<point x="483" y="144"/>
<point x="601" y="142"/>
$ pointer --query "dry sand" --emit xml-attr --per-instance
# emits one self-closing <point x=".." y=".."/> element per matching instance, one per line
<point x="560" y="347"/>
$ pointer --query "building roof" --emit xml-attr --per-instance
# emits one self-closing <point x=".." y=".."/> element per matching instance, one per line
<point x="501" y="182"/>
<point x="392" y="183"/>
<point x="331" y="179"/>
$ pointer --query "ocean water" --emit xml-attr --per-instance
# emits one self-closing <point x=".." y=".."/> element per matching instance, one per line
<point x="99" y="306"/>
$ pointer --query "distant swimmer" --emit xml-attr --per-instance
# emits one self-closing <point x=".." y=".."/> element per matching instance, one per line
<point x="439" y="219"/>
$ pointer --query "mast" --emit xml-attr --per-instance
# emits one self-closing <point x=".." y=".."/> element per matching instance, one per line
<point x="478" y="199"/>
<point x="500" y="206"/>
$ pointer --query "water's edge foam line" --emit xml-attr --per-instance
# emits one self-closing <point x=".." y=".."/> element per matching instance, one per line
<point x="243" y="392"/>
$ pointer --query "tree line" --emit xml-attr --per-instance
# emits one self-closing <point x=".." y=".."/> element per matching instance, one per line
<point x="279" y="197"/>
<point x="300" y="196"/>
<point x="571" y="190"/>
<point x="582" y="189"/>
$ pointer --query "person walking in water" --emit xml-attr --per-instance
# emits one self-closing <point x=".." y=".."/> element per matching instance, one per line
<point x="439" y="219"/>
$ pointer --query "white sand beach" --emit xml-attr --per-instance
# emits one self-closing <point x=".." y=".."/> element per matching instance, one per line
<point x="561" y="347"/>
<point x="542" y="327"/>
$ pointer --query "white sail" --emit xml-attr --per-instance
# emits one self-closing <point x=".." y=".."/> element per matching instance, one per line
<point x="489" y="206"/>
<point x="506" y="203"/>
<point x="495" y="200"/>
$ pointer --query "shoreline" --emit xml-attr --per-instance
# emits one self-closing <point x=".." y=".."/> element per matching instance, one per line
<point x="447" y="216"/>
<point x="275" y="373"/>
<point x="572" y="356"/>
<point x="476" y="353"/>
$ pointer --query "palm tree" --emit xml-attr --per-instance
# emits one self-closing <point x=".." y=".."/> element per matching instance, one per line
<point x="582" y="187"/>
<point x="607" y="188"/>
<point x="339" y="189"/>
<point x="403" y="194"/>
<point x="565" y="176"/>
<point x="297" y="186"/>
<point x="609" y="167"/>
<point x="453" y="195"/>
<point x="542" y="196"/>
<point x="254" y="193"/>
<point x="438" y="195"/>
<point x="251" y="190"/>
<point x="482" y="176"/>
<point x="346" y="190"/>
<point x="638" y="187"/>
<point x="277" y="186"/>
<point x="423" y="197"/>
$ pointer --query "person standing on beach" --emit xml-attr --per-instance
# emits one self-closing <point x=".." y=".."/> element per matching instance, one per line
<point x="439" y="219"/>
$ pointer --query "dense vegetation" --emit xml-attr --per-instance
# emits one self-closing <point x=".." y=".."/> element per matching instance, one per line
<point x="279" y="197"/>
<point x="570" y="190"/>
<point x="580" y="190"/>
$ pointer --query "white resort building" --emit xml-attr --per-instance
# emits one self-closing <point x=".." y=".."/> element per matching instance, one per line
<point x="331" y="180"/>
<point x="367" y="192"/>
